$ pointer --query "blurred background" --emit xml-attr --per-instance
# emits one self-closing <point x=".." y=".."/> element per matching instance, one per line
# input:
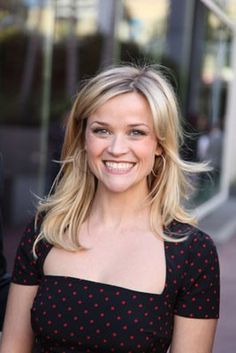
<point x="48" y="47"/>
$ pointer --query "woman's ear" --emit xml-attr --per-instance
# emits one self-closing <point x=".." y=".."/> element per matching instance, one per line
<point x="159" y="150"/>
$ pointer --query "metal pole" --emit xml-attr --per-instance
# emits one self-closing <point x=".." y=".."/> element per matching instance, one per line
<point x="48" y="31"/>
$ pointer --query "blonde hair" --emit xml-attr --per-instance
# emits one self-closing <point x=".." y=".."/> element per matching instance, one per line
<point x="68" y="206"/>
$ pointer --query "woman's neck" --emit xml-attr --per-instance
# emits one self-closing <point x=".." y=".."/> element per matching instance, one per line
<point x="119" y="209"/>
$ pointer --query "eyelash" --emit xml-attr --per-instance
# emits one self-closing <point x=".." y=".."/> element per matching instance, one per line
<point x="100" y="131"/>
<point x="138" y="133"/>
<point x="135" y="132"/>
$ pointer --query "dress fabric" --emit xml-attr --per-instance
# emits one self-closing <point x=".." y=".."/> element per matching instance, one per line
<point x="78" y="315"/>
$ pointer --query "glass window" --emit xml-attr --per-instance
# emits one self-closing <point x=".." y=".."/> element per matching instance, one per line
<point x="228" y="6"/>
<point x="21" y="66"/>
<point x="190" y="40"/>
<point x="158" y="32"/>
<point x="142" y="30"/>
<point x="207" y="97"/>
<point x="46" y="48"/>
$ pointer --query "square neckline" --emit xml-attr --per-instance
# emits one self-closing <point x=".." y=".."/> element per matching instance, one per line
<point x="110" y="285"/>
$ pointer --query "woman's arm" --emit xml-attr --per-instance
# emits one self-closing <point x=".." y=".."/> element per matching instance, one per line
<point x="193" y="335"/>
<point x="17" y="334"/>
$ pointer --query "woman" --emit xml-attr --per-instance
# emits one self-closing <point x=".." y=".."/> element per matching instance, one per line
<point x="114" y="263"/>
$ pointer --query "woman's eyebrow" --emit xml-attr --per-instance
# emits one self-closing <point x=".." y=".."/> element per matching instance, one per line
<point x="138" y="124"/>
<point x="129" y="125"/>
<point x="100" y="123"/>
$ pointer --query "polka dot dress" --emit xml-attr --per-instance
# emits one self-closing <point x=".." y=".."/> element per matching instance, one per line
<point x="78" y="315"/>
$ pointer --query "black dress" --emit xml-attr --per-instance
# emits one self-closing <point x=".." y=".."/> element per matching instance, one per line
<point x="77" y="315"/>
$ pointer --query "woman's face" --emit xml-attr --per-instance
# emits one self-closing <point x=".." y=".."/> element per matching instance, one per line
<point x="121" y="144"/>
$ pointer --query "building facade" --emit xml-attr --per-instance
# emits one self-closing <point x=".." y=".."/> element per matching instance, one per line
<point x="47" y="47"/>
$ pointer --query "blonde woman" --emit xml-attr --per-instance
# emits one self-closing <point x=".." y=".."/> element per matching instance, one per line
<point x="113" y="262"/>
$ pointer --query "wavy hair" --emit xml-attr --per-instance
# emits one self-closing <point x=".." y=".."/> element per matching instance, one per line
<point x="68" y="204"/>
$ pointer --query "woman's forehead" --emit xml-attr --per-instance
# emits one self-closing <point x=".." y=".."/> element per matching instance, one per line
<point x="131" y="107"/>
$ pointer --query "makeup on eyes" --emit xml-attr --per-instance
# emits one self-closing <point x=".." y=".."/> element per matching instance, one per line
<point x="134" y="130"/>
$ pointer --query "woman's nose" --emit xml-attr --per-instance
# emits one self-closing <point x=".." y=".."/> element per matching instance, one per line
<point x="118" y="145"/>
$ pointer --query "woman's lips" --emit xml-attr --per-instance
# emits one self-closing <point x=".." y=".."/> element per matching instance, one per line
<point x="119" y="167"/>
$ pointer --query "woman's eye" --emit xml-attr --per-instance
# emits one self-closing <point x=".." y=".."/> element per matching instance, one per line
<point x="100" y="131"/>
<point x="137" y="133"/>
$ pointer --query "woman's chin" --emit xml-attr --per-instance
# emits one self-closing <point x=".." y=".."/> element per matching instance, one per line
<point x="121" y="188"/>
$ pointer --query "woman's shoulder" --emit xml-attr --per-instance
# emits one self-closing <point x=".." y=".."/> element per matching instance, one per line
<point x="191" y="239"/>
<point x="27" y="268"/>
<point x="32" y="231"/>
<point x="196" y="259"/>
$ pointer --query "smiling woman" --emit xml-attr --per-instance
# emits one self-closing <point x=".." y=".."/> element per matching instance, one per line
<point x="112" y="261"/>
<point x="121" y="144"/>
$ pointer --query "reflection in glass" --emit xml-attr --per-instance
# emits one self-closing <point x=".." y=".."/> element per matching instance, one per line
<point x="143" y="29"/>
<point x="208" y="91"/>
<point x="195" y="45"/>
<point x="20" y="98"/>
<point x="46" y="47"/>
<point x="41" y="72"/>
<point x="229" y="6"/>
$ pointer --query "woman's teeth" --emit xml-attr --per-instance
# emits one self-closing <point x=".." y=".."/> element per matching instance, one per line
<point x="119" y="166"/>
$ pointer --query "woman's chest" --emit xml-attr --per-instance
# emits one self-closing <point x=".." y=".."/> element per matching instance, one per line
<point x="99" y="317"/>
<point x="88" y="316"/>
<point x="137" y="264"/>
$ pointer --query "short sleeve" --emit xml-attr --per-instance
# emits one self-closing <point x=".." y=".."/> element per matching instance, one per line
<point x="199" y="295"/>
<point x="28" y="270"/>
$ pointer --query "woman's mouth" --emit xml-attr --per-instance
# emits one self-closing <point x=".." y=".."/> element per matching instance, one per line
<point x="119" y="167"/>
